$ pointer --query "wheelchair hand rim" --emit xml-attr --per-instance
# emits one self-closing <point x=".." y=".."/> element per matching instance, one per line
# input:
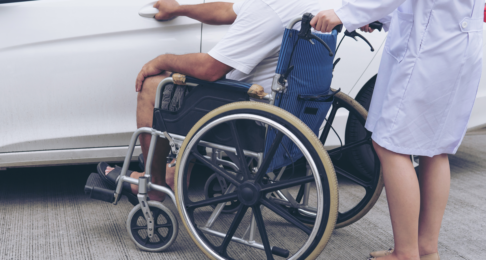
<point x="287" y="133"/>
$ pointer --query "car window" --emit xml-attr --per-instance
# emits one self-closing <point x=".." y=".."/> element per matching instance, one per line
<point x="13" y="1"/>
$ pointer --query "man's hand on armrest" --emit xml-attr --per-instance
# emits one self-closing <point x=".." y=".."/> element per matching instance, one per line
<point x="197" y="65"/>
<point x="210" y="13"/>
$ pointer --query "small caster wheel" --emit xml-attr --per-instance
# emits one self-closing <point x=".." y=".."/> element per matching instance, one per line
<point x="213" y="189"/>
<point x="166" y="227"/>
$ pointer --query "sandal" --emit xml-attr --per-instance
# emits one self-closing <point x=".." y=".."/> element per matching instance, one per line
<point x="111" y="178"/>
<point x="376" y="254"/>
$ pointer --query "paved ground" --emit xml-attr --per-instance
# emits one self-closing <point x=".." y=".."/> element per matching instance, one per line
<point x="44" y="214"/>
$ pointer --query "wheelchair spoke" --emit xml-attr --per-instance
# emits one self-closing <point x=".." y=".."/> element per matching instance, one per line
<point x="348" y="147"/>
<point x="212" y="201"/>
<point x="219" y="171"/>
<point x="161" y="237"/>
<point x="287" y="216"/>
<point x="263" y="232"/>
<point x="231" y="231"/>
<point x="269" y="157"/>
<point x="146" y="240"/>
<point x="239" y="151"/>
<point x="163" y="226"/>
<point x="354" y="178"/>
<point x="280" y="185"/>
<point x="329" y="122"/>
<point x="139" y="227"/>
<point x="299" y="196"/>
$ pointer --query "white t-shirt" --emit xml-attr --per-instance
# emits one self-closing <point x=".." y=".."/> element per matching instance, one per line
<point x="252" y="44"/>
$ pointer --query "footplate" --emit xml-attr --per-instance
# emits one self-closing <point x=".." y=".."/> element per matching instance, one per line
<point x="96" y="188"/>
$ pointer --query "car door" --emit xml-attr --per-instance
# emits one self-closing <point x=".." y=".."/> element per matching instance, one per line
<point x="68" y="68"/>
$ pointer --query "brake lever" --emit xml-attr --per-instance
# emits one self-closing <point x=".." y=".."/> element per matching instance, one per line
<point x="312" y="36"/>
<point x="306" y="32"/>
<point x="353" y="35"/>
<point x="335" y="63"/>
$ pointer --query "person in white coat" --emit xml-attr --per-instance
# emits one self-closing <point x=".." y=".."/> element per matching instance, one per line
<point x="423" y="97"/>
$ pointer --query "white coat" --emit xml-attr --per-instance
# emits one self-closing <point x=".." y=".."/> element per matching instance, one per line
<point x="429" y="73"/>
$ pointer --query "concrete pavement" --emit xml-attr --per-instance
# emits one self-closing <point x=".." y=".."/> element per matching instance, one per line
<point x="44" y="214"/>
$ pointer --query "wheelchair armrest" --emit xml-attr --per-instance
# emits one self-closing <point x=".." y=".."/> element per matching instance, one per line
<point x="253" y="90"/>
<point x="328" y="97"/>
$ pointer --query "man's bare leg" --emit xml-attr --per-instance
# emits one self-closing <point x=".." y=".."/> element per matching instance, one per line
<point x="403" y="195"/>
<point x="145" y="109"/>
<point x="170" y="173"/>
<point x="435" y="181"/>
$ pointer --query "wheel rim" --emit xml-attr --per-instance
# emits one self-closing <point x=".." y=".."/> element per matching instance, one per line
<point x="164" y="229"/>
<point x="251" y="191"/>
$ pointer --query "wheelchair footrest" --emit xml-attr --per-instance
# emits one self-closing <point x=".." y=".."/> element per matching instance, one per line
<point x="96" y="188"/>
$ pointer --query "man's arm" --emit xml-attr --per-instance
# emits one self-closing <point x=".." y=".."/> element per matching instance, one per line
<point x="216" y="13"/>
<point x="197" y="65"/>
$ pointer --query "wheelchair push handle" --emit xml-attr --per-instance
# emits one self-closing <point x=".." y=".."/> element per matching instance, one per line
<point x="376" y="26"/>
<point x="353" y="34"/>
<point x="306" y="31"/>
<point x="338" y="28"/>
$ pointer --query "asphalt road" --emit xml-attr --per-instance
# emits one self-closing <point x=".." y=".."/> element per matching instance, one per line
<point x="44" y="214"/>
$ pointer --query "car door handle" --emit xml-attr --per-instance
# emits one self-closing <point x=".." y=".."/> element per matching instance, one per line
<point x="148" y="10"/>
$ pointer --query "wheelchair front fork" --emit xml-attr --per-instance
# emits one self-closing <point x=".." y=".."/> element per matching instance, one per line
<point x="144" y="184"/>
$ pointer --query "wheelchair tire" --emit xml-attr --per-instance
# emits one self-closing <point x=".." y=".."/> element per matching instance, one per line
<point x="258" y="199"/>
<point x="373" y="177"/>
<point x="361" y="157"/>
<point x="355" y="204"/>
<point x="166" y="227"/>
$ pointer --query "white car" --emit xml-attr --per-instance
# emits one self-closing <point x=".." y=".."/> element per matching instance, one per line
<point x="68" y="68"/>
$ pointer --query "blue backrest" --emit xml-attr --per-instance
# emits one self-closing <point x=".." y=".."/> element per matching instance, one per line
<point x="307" y="86"/>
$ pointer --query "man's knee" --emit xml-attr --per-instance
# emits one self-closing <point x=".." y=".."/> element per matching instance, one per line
<point x="149" y="88"/>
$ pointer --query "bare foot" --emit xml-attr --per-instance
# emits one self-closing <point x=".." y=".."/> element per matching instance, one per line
<point x="396" y="257"/>
<point x="170" y="173"/>
<point x="153" y="195"/>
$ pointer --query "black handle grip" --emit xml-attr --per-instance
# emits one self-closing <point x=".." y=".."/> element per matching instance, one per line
<point x="338" y="28"/>
<point x="306" y="32"/>
<point x="376" y="26"/>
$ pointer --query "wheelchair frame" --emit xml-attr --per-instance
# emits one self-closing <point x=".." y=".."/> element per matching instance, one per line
<point x="176" y="141"/>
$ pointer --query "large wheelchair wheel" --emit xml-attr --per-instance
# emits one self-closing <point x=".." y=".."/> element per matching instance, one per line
<point x="261" y="227"/>
<point x="360" y="185"/>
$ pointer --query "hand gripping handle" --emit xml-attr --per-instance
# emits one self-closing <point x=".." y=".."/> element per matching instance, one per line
<point x="306" y="32"/>
<point x="376" y="26"/>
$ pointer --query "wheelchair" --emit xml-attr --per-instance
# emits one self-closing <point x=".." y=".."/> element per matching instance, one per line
<point x="274" y="190"/>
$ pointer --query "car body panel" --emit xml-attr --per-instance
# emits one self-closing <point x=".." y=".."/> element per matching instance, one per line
<point x="68" y="68"/>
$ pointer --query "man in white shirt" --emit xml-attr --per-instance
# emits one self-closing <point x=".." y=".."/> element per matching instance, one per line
<point x="249" y="52"/>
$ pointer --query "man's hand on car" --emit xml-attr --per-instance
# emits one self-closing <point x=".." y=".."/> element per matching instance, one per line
<point x="167" y="9"/>
<point x="325" y="21"/>
<point x="149" y="69"/>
